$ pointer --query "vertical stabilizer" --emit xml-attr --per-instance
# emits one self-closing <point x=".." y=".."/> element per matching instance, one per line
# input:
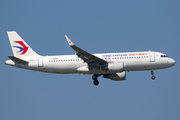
<point x="19" y="47"/>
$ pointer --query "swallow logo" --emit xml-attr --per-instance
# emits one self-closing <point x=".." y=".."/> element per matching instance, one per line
<point x="23" y="49"/>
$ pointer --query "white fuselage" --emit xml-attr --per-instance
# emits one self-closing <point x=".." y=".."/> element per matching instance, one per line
<point x="65" y="64"/>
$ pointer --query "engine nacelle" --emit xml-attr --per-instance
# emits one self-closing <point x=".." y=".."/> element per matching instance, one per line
<point x="114" y="67"/>
<point x="116" y="76"/>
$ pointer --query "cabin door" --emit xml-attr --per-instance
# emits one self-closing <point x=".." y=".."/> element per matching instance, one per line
<point x="152" y="56"/>
<point x="40" y="62"/>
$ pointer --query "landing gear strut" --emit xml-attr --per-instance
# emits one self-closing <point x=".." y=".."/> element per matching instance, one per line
<point x="152" y="73"/>
<point x="94" y="77"/>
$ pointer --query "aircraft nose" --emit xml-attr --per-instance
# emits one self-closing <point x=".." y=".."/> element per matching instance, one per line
<point x="172" y="62"/>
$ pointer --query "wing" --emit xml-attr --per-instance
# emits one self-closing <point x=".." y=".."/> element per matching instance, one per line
<point x="87" y="57"/>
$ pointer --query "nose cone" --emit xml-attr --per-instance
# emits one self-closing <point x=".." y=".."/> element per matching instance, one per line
<point x="172" y="62"/>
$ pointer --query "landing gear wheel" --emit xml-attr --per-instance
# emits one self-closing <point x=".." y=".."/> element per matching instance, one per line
<point x="96" y="82"/>
<point x="153" y="77"/>
<point x="152" y="73"/>
<point x="94" y="77"/>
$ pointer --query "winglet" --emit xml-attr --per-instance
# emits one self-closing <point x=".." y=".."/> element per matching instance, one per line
<point x="69" y="41"/>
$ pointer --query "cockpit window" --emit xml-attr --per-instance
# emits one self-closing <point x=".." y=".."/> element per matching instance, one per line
<point x="164" y="56"/>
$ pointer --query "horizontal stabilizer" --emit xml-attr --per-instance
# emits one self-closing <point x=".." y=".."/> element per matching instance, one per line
<point x="17" y="60"/>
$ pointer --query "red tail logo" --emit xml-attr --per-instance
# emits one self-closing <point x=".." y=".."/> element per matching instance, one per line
<point x="24" y="48"/>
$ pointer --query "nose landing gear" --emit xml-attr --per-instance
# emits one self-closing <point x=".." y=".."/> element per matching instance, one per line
<point x="153" y="77"/>
<point x="94" y="77"/>
<point x="152" y="73"/>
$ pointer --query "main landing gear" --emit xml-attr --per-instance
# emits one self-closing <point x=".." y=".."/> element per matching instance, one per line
<point x="152" y="73"/>
<point x="94" y="77"/>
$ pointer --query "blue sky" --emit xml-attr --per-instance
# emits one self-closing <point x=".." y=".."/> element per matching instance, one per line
<point x="97" y="27"/>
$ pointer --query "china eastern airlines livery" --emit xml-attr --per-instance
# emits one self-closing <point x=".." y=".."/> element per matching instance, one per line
<point x="110" y="65"/>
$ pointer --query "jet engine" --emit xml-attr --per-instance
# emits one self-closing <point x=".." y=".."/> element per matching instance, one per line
<point x="114" y="67"/>
<point x="116" y="76"/>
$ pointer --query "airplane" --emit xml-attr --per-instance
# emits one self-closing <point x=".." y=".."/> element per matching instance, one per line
<point x="110" y="65"/>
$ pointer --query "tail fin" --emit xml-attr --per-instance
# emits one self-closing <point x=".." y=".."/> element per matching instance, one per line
<point x="19" y="47"/>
